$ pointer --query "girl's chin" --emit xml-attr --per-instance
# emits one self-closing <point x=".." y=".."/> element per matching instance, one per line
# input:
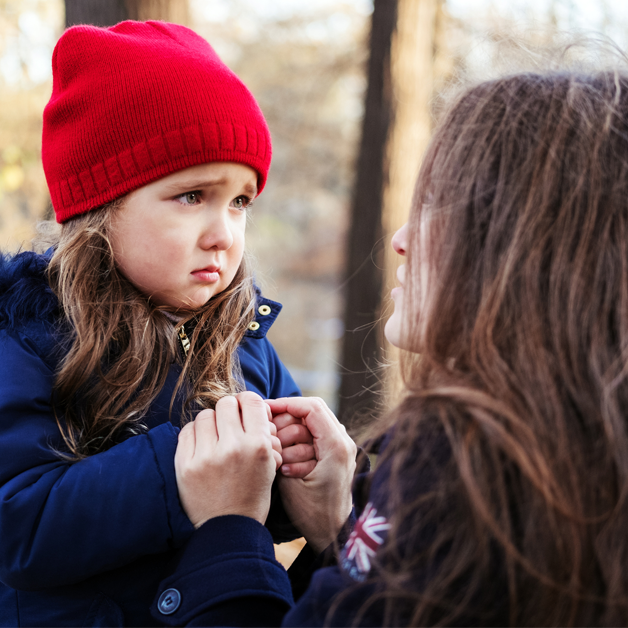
<point x="182" y="304"/>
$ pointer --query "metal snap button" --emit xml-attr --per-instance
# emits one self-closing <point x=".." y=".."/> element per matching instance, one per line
<point x="254" y="326"/>
<point x="264" y="310"/>
<point x="169" y="601"/>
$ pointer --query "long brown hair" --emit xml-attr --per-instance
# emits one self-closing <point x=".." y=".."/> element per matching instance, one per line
<point x="120" y="346"/>
<point x="515" y="424"/>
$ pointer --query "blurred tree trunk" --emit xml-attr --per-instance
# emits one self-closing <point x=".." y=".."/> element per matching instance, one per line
<point x="414" y="51"/>
<point x="361" y="349"/>
<point x="97" y="12"/>
<point x="109" y="12"/>
<point x="396" y="130"/>
<point x="176" y="11"/>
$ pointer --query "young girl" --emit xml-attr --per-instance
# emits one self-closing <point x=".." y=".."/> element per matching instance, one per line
<point x="499" y="496"/>
<point x="143" y="313"/>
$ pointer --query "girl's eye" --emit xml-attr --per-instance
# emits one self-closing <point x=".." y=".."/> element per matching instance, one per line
<point x="190" y="198"/>
<point x="241" y="202"/>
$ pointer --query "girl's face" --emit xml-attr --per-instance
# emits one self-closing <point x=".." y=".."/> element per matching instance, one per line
<point x="180" y="240"/>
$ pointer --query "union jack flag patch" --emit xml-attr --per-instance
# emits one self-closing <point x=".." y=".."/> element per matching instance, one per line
<point x="369" y="533"/>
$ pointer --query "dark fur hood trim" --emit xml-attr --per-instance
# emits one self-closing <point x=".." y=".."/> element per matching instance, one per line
<point x="25" y="296"/>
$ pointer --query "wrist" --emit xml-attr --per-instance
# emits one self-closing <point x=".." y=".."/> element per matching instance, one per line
<point x="319" y="544"/>
<point x="260" y="514"/>
<point x="320" y="539"/>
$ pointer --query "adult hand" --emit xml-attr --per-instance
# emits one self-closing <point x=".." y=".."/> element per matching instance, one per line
<point x="297" y="449"/>
<point x="320" y="503"/>
<point x="226" y="460"/>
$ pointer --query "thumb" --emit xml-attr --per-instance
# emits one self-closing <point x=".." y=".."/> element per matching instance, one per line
<point x="325" y="428"/>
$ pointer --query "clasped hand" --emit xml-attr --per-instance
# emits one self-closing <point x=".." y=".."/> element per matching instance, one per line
<point x="227" y="460"/>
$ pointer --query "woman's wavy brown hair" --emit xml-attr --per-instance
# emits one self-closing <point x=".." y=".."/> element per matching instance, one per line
<point x="508" y="459"/>
<point x="121" y="346"/>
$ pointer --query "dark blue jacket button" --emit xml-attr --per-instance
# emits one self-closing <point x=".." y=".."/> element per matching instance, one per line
<point x="169" y="601"/>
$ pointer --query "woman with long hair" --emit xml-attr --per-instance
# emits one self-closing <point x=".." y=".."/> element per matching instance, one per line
<point x="500" y="492"/>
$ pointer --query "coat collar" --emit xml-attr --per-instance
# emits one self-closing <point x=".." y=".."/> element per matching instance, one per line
<point x="266" y="312"/>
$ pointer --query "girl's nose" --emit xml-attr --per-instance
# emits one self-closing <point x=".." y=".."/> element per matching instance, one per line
<point x="400" y="240"/>
<point x="217" y="234"/>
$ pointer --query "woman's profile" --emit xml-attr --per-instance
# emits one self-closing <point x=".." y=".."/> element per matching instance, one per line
<point x="500" y="492"/>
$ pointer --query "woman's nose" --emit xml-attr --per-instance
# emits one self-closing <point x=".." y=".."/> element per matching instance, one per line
<point x="400" y="240"/>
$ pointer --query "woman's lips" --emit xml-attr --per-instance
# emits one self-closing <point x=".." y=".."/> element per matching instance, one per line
<point x="401" y="274"/>
<point x="211" y="274"/>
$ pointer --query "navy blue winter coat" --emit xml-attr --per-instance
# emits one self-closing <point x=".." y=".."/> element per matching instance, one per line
<point x="227" y="574"/>
<point x="86" y="543"/>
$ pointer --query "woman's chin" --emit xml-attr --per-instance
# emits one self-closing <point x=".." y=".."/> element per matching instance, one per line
<point x="392" y="331"/>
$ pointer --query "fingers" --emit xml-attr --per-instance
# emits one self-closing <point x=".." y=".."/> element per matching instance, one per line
<point x="236" y="419"/>
<point x="226" y="460"/>
<point x="285" y="419"/>
<point x="199" y="436"/>
<point x="255" y="412"/>
<point x="298" y="453"/>
<point x="228" y="423"/>
<point x="330" y="437"/>
<point x="205" y="425"/>
<point x="294" y="434"/>
<point x="276" y="444"/>
<point x="256" y="420"/>
<point x="298" y="469"/>
<point x="302" y="408"/>
<point x="187" y="439"/>
<point x="186" y="446"/>
<point x="318" y="418"/>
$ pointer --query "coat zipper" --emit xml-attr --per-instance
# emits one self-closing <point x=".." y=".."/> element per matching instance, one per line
<point x="184" y="340"/>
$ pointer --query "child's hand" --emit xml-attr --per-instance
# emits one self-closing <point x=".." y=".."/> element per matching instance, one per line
<point x="298" y="454"/>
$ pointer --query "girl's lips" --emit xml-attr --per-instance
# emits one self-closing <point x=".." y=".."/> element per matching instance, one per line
<point x="211" y="274"/>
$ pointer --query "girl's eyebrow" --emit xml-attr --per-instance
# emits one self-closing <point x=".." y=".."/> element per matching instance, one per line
<point x="191" y="184"/>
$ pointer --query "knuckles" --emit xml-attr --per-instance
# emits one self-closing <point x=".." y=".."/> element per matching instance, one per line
<point x="203" y="415"/>
<point x="276" y="444"/>
<point x="318" y="404"/>
<point x="252" y="399"/>
<point x="294" y="433"/>
<point x="301" y="453"/>
<point x="281" y="421"/>
<point x="241" y="453"/>
<point x="225" y="402"/>
<point x="344" y="447"/>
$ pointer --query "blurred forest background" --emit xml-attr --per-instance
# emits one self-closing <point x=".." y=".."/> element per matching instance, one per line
<point x="308" y="65"/>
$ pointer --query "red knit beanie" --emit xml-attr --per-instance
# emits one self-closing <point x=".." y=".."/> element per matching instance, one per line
<point x="138" y="101"/>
